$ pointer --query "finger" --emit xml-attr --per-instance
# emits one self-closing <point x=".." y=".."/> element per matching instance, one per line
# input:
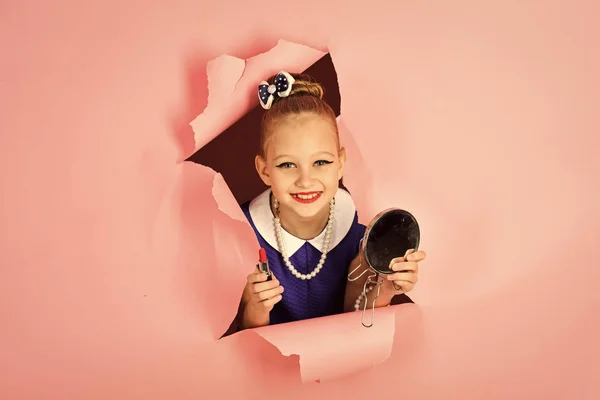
<point x="405" y="266"/>
<point x="403" y="276"/>
<point x="257" y="270"/>
<point x="272" y="301"/>
<point x="417" y="256"/>
<point x="262" y="286"/>
<point x="268" y="294"/>
<point x="397" y="260"/>
<point x="405" y="285"/>
<point x="257" y="277"/>
<point x="402" y="286"/>
<point x="410" y="255"/>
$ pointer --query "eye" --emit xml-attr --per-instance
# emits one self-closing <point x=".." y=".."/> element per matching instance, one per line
<point x="323" y="162"/>
<point x="286" y="165"/>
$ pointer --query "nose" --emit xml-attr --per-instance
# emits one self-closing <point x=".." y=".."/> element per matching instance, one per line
<point x="305" y="178"/>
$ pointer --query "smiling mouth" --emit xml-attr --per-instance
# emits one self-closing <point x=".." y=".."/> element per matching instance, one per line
<point x="306" y="197"/>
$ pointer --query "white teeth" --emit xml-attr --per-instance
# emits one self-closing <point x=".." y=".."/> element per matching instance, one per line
<point x="306" y="196"/>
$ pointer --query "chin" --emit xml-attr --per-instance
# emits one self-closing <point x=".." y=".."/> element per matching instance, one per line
<point x="306" y="212"/>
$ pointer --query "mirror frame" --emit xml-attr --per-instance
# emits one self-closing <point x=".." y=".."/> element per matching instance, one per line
<point x="374" y="221"/>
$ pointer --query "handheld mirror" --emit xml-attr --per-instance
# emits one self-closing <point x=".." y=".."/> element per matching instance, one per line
<point x="390" y="235"/>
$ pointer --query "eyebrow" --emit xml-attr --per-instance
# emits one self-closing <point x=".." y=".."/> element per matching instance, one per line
<point x="316" y="154"/>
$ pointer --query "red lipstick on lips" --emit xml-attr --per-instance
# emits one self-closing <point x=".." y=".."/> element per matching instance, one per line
<point x="306" y="201"/>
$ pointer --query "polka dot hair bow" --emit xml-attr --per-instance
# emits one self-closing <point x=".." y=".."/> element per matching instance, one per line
<point x="282" y="86"/>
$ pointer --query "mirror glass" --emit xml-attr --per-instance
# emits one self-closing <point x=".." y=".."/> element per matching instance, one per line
<point x="391" y="234"/>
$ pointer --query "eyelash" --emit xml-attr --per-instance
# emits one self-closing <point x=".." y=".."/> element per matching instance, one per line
<point x="323" y="162"/>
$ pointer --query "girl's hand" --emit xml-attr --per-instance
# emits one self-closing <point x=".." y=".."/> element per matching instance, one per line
<point x="406" y="275"/>
<point x="259" y="297"/>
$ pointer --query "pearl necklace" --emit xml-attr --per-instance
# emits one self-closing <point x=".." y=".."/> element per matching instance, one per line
<point x="362" y="296"/>
<point x="325" y="249"/>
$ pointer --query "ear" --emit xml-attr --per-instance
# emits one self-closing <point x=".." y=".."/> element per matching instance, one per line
<point x="261" y="167"/>
<point x="342" y="157"/>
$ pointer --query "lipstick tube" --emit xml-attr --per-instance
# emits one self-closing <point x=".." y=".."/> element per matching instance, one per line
<point x="263" y="263"/>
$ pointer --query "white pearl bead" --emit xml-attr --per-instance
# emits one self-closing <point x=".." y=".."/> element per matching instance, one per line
<point x="364" y="295"/>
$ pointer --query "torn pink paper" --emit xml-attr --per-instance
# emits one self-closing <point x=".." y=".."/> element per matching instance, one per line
<point x="233" y="83"/>
<point x="319" y="360"/>
<point x="216" y="247"/>
<point x="225" y="200"/>
<point x="223" y="74"/>
<point x="489" y="128"/>
<point x="336" y="346"/>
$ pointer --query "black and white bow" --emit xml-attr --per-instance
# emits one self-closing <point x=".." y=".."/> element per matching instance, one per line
<point x="282" y="86"/>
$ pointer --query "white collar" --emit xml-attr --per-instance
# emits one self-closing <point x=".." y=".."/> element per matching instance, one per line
<point x="262" y="217"/>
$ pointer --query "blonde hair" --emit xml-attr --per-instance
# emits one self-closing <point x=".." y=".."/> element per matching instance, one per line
<point x="306" y="96"/>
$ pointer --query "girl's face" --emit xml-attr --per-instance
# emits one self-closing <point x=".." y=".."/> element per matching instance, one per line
<point x="303" y="164"/>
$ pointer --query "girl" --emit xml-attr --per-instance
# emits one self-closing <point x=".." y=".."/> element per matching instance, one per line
<point x="305" y="221"/>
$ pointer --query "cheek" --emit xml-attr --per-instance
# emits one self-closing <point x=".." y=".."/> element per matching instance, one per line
<point x="280" y="180"/>
<point x="330" y="177"/>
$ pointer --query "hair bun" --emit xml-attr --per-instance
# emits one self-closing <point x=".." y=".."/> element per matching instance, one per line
<point x="304" y="85"/>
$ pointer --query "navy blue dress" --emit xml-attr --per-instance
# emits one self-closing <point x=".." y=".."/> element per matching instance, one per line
<point x="324" y="294"/>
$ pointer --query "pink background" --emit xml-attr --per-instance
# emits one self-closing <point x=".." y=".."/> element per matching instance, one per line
<point x="120" y="267"/>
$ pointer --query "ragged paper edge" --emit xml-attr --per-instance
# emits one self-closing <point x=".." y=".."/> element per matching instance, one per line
<point x="225" y="200"/>
<point x="223" y="74"/>
<point x="238" y="86"/>
<point x="230" y="97"/>
<point x="339" y="347"/>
